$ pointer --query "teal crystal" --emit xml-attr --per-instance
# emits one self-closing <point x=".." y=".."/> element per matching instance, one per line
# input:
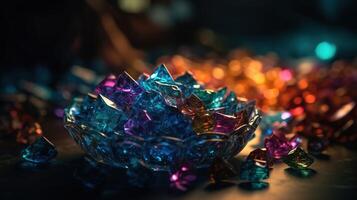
<point x="159" y="123"/>
<point x="230" y="103"/>
<point x="207" y="96"/>
<point x="253" y="171"/>
<point x="217" y="99"/>
<point x="107" y="117"/>
<point x="161" y="74"/>
<point x="39" y="152"/>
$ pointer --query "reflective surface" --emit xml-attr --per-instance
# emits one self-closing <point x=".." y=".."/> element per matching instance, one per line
<point x="334" y="179"/>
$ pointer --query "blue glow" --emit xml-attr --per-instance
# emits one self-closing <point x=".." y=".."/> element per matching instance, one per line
<point x="325" y="50"/>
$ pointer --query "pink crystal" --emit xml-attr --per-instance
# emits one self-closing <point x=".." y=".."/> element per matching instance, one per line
<point x="279" y="146"/>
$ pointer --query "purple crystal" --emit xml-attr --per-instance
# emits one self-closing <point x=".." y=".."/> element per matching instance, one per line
<point x="279" y="146"/>
<point x="224" y="123"/>
<point x="106" y="87"/>
<point x="182" y="177"/>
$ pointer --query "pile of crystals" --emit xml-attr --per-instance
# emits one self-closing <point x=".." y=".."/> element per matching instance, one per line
<point x="160" y="122"/>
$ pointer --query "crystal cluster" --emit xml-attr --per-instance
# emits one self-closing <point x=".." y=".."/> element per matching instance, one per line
<point x="160" y="122"/>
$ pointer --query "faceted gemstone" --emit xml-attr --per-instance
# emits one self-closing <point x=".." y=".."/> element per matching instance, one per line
<point x="254" y="185"/>
<point x="138" y="124"/>
<point x="192" y="106"/>
<point x="160" y="153"/>
<point x="298" y="158"/>
<point x="279" y="146"/>
<point x="317" y="145"/>
<point x="261" y="156"/>
<point x="126" y="90"/>
<point x="224" y="123"/>
<point x="126" y="83"/>
<point x="230" y="104"/>
<point x="253" y="171"/>
<point x="188" y="80"/>
<point x="126" y="152"/>
<point x="176" y="125"/>
<point x="107" y="117"/>
<point x="182" y="177"/>
<point x="106" y="87"/>
<point x="221" y="170"/>
<point x="203" y="149"/>
<point x="153" y="102"/>
<point x="217" y="99"/>
<point x="161" y="74"/>
<point x="206" y="96"/>
<point x="142" y="78"/>
<point x="41" y="151"/>
<point x="203" y="123"/>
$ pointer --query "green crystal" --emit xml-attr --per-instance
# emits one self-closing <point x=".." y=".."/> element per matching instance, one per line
<point x="298" y="159"/>
<point x="252" y="171"/>
<point x="218" y="97"/>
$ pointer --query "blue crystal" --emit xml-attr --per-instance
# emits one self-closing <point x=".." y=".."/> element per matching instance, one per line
<point x="204" y="149"/>
<point x="41" y="151"/>
<point x="206" y="96"/>
<point x="107" y="117"/>
<point x="252" y="171"/>
<point x="126" y="152"/>
<point x="152" y="101"/>
<point x="162" y="152"/>
<point x="187" y="84"/>
<point x="230" y="103"/>
<point x="161" y="74"/>
<point x="175" y="124"/>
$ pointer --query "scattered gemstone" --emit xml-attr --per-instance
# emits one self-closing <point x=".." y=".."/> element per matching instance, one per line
<point x="41" y="151"/>
<point x="261" y="156"/>
<point x="298" y="158"/>
<point x="253" y="171"/>
<point x="279" y="146"/>
<point x="182" y="178"/>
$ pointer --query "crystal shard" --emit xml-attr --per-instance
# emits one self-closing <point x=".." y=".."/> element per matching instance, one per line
<point x="161" y="74"/>
<point x="106" y="87"/>
<point x="253" y="171"/>
<point x="279" y="146"/>
<point x="260" y="156"/>
<point x="298" y="158"/>
<point x="203" y="123"/>
<point x="41" y="151"/>
<point x="107" y="117"/>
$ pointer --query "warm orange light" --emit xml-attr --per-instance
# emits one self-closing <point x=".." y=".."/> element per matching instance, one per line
<point x="310" y="98"/>
<point x="303" y="84"/>
<point x="218" y="73"/>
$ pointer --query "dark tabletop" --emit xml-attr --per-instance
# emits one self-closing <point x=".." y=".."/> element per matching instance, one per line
<point x="335" y="178"/>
